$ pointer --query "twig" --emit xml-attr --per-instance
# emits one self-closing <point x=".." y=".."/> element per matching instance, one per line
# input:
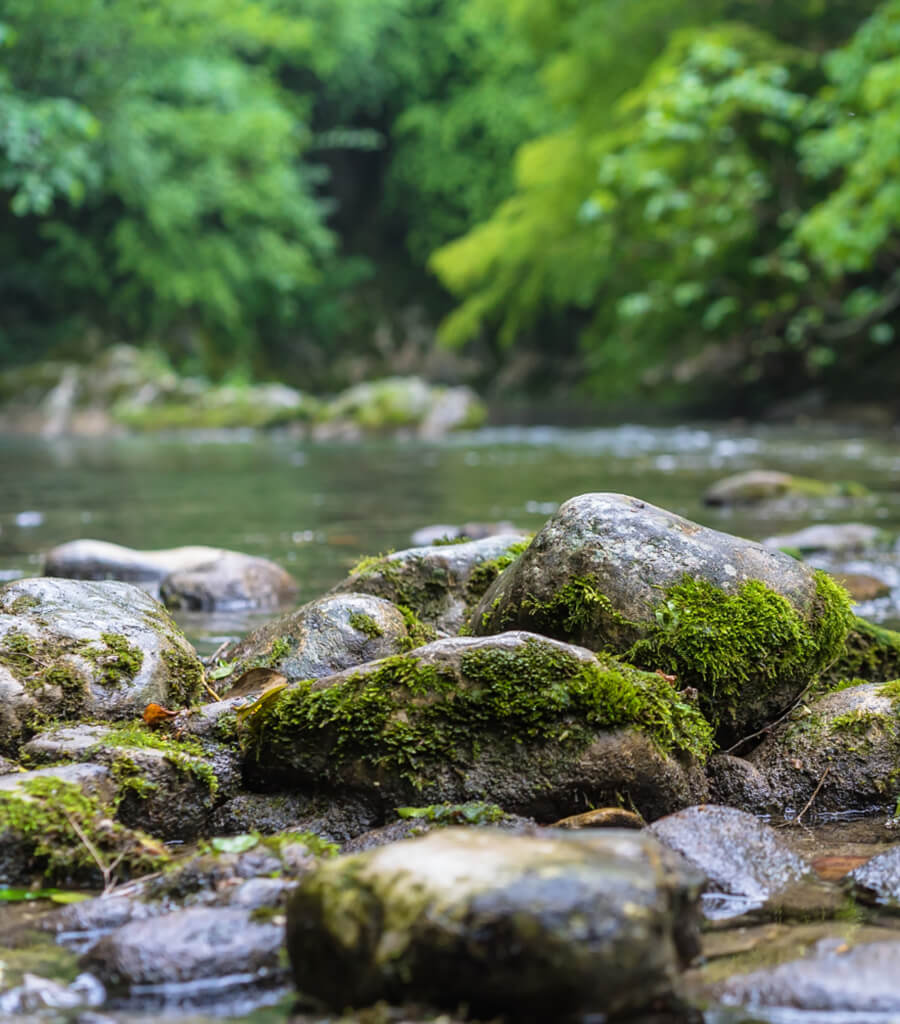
<point x="106" y="870"/>
<point x="815" y="793"/>
<point x="211" y="691"/>
<point x="215" y="654"/>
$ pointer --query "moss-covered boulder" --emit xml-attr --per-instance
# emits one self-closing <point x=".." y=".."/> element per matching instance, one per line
<point x="321" y="638"/>
<point x="56" y="824"/>
<point x="166" y="786"/>
<point x="439" y="582"/>
<point x="746" y="626"/>
<point x="844" y="746"/>
<point x="541" y="728"/>
<point x="90" y="650"/>
<point x="528" y="927"/>
<point x="760" y="485"/>
<point x="870" y="654"/>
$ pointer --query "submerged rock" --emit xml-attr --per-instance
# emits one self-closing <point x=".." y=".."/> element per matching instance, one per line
<point x="322" y="637"/>
<point x="539" y="727"/>
<point x="833" y="980"/>
<point x="747" y="864"/>
<point x="844" y="746"/>
<point x="165" y="786"/>
<point x="84" y="649"/>
<point x="438" y="583"/>
<point x="758" y="485"/>
<point x="746" y="626"/>
<point x="536" y="927"/>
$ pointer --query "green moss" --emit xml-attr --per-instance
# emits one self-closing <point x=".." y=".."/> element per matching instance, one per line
<point x="41" y="813"/>
<point x="18" y="652"/>
<point x="365" y="624"/>
<point x="870" y="653"/>
<point x="858" y="722"/>
<point x="118" y="663"/>
<point x="416" y="720"/>
<point x="415" y="582"/>
<point x="185" y="676"/>
<point x="185" y="755"/>
<point x="474" y="812"/>
<point x="890" y="689"/>
<point x="795" y="553"/>
<point x="418" y="633"/>
<point x="484" y="574"/>
<point x="281" y="647"/>
<point x="316" y="845"/>
<point x="369" y="564"/>
<point x="130" y="779"/>
<point x="23" y="603"/>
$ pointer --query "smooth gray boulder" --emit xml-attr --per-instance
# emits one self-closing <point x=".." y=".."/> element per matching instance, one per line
<point x="760" y="485"/>
<point x="77" y="649"/>
<point x="835" y="537"/>
<point x="227" y="582"/>
<point x="878" y="880"/>
<point x="325" y="636"/>
<point x="748" y="866"/>
<point x="523" y="926"/>
<point x="439" y="582"/>
<point x="844" y="746"/>
<point x="746" y="626"/>
<point x="541" y="728"/>
<point x="100" y="560"/>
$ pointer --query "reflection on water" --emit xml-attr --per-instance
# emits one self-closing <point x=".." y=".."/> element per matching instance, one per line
<point x="315" y="508"/>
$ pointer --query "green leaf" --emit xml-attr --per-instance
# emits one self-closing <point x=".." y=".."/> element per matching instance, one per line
<point x="11" y="895"/>
<point x="234" y="844"/>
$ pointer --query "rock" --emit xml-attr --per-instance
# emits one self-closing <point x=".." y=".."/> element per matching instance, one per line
<point x="428" y="535"/>
<point x="168" y="787"/>
<point x="226" y="582"/>
<point x="90" y="650"/>
<point x="452" y="409"/>
<point x="45" y="816"/>
<point x="225" y="947"/>
<point x="744" y="860"/>
<point x="835" y="537"/>
<point x="844" y="745"/>
<point x="100" y="560"/>
<point x="760" y="485"/>
<point x="438" y="583"/>
<point x="539" y="727"/>
<point x="878" y="879"/>
<point x="861" y="586"/>
<point x="321" y="638"/>
<point x="333" y="820"/>
<point x="37" y="994"/>
<point x="845" y="984"/>
<point x="507" y="924"/>
<point x="735" y="782"/>
<point x="870" y="653"/>
<point x="747" y="627"/>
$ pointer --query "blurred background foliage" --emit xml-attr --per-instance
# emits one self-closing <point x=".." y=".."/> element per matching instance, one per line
<point x="689" y="202"/>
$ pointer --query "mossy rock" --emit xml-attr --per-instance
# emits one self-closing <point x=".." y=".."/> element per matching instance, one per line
<point x="845" y="745"/>
<point x="540" y="728"/>
<point x="533" y="928"/>
<point x="760" y="485"/>
<point x="747" y="627"/>
<point x="439" y="582"/>
<point x="319" y="639"/>
<point x="871" y="654"/>
<point x="94" y="650"/>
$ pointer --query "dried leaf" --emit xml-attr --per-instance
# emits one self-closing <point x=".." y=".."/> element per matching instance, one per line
<point x="155" y="714"/>
<point x="255" y="680"/>
<point x="261" y="702"/>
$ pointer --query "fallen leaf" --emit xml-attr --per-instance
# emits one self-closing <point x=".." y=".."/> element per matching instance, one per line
<point x="234" y="844"/>
<point x="222" y="670"/>
<point x="155" y="714"/>
<point x="262" y="701"/>
<point x="255" y="680"/>
<point x="835" y="867"/>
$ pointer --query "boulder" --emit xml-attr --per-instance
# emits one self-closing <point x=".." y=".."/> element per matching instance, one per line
<point x="100" y="560"/>
<point x="523" y="926"/>
<point x="165" y="786"/>
<point x="870" y="653"/>
<point x="746" y="626"/>
<point x="74" y="649"/>
<point x="226" y="582"/>
<point x="748" y="866"/>
<point x="878" y="880"/>
<point x="427" y="535"/>
<point x="439" y="582"/>
<point x="541" y="728"/>
<point x="759" y="485"/>
<point x="844" y="746"/>
<point x="735" y="782"/>
<point x="321" y="638"/>
<point x="834" y="537"/>
<point x="862" y="586"/>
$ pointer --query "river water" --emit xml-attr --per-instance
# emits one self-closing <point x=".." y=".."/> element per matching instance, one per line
<point x="316" y="508"/>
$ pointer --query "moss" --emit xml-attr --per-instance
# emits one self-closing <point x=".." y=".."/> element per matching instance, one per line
<point x="365" y="624"/>
<point x="890" y="689"/>
<point x="281" y="647"/>
<point x="484" y="574"/>
<point x="316" y="845"/>
<point x="418" y="633"/>
<point x="42" y="812"/>
<point x="414" y="719"/>
<point x="185" y="676"/>
<point x="18" y="651"/>
<point x="415" y="582"/>
<point x="119" y="663"/>
<point x="446" y="542"/>
<point x="858" y="722"/>
<point x="226" y="728"/>
<point x="185" y="755"/>
<point x="23" y="603"/>
<point x="369" y="564"/>
<point x="870" y="653"/>
<point x="474" y="812"/>
<point x="130" y="779"/>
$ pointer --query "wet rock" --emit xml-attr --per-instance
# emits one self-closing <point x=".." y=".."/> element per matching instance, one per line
<point x="37" y="994"/>
<point x="86" y="649"/>
<point x="100" y="560"/>
<point x="168" y="787"/>
<point x="539" y="927"/>
<point x="334" y="820"/>
<point x="843" y="745"/>
<point x="79" y="925"/>
<point x="320" y="638"/>
<point x="735" y="782"/>
<point x="834" y="537"/>
<point x="747" y="627"/>
<point x="46" y="816"/>
<point x="428" y="535"/>
<point x="745" y="861"/>
<point x="226" y="582"/>
<point x="861" y="586"/>
<point x="878" y="880"/>
<point x="216" y="945"/>
<point x="834" y="980"/>
<point x="419" y="821"/>
<point x="760" y="485"/>
<point x="538" y="727"/>
<point x="439" y="582"/>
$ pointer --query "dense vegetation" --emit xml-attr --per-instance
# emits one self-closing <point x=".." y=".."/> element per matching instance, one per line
<point x="653" y="198"/>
